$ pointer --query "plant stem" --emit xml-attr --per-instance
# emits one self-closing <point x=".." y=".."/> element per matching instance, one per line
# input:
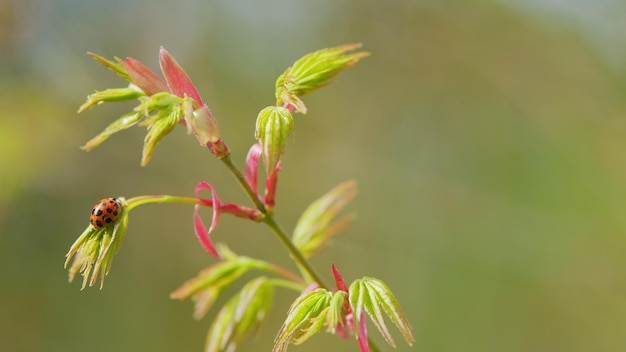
<point x="137" y="201"/>
<point x="287" y="284"/>
<point x="293" y="250"/>
<point x="271" y="222"/>
<point x="242" y="182"/>
<point x="297" y="280"/>
<point x="282" y="235"/>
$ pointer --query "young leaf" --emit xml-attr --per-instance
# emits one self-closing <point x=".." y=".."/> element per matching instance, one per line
<point x="240" y="315"/>
<point x="252" y="167"/>
<point x="273" y="126"/>
<point x="271" y="183"/>
<point x="177" y="79"/>
<point x="306" y="316"/>
<point x="336" y="312"/>
<point x="200" y="230"/>
<point x="201" y="123"/>
<point x="315" y="225"/>
<point x="144" y="78"/>
<point x="391" y="307"/>
<point x="314" y="71"/>
<point x="253" y="307"/>
<point x="118" y="66"/>
<point x="362" y="339"/>
<point x="339" y="281"/>
<point x="206" y="287"/>
<point x="160" y="126"/>
<point x="120" y="124"/>
<point x="221" y="329"/>
<point x="373" y="297"/>
<point x="110" y="95"/>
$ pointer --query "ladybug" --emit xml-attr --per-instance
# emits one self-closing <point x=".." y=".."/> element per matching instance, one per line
<point x="104" y="212"/>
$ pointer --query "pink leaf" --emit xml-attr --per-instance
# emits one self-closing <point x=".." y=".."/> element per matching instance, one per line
<point x="349" y="326"/>
<point x="200" y="229"/>
<point x="177" y="80"/>
<point x="252" y="167"/>
<point x="341" y="284"/>
<point x="270" y="188"/>
<point x="289" y="107"/>
<point x="342" y="332"/>
<point x="312" y="287"/>
<point x="144" y="78"/>
<point x="362" y="338"/>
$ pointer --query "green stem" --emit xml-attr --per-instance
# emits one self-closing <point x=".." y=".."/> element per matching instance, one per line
<point x="282" y="235"/>
<point x="137" y="201"/>
<point x="286" y="284"/>
<point x="242" y="182"/>
<point x="271" y="222"/>
<point x="293" y="250"/>
<point x="286" y="274"/>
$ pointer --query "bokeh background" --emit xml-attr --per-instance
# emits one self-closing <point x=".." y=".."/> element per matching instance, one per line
<point x="488" y="139"/>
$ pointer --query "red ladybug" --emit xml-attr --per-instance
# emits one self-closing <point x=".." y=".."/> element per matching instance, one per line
<point x="104" y="212"/>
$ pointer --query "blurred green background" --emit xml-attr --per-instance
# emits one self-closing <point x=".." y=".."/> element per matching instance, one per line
<point x="488" y="139"/>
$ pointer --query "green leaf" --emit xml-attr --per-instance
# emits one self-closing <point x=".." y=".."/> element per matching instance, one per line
<point x="336" y="311"/>
<point x="254" y="305"/>
<point x="220" y="329"/>
<point x="356" y="300"/>
<point x="307" y="315"/>
<point x="316" y="225"/>
<point x="159" y="128"/>
<point x="392" y="307"/>
<point x="374" y="310"/>
<point x="375" y="298"/>
<point x="217" y="274"/>
<point x="118" y="67"/>
<point x="118" y="125"/>
<point x="110" y="95"/>
<point x="314" y="71"/>
<point x="240" y="315"/>
<point x="273" y="126"/>
<point x="206" y="287"/>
